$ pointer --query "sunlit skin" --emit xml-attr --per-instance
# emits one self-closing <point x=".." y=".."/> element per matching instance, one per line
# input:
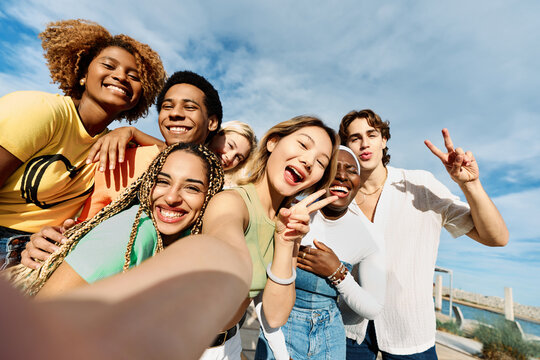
<point x="345" y="186"/>
<point x="111" y="82"/>
<point x="179" y="193"/>
<point x="298" y="160"/>
<point x="367" y="143"/>
<point x="183" y="116"/>
<point x="231" y="148"/>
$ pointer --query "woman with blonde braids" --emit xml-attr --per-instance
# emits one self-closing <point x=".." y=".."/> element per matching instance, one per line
<point x="295" y="157"/>
<point x="45" y="138"/>
<point x="164" y="205"/>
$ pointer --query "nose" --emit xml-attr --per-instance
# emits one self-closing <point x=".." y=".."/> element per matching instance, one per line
<point x="173" y="197"/>
<point x="177" y="112"/>
<point x="340" y="173"/>
<point x="119" y="74"/>
<point x="307" y="161"/>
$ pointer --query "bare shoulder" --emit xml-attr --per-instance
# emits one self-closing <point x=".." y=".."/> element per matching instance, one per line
<point x="226" y="213"/>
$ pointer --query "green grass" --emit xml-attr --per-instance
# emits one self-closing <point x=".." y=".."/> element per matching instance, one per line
<point x="449" y="326"/>
<point x="503" y="341"/>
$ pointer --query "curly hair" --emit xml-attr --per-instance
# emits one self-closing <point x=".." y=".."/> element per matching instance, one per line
<point x="211" y="95"/>
<point x="31" y="281"/>
<point x="373" y="120"/>
<point x="70" y="46"/>
<point x="281" y="130"/>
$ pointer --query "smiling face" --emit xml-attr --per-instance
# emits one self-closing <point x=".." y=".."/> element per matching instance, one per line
<point x="183" y="116"/>
<point x="112" y="80"/>
<point x="298" y="160"/>
<point x="231" y="148"/>
<point x="345" y="184"/>
<point x="179" y="193"/>
<point x="367" y="143"/>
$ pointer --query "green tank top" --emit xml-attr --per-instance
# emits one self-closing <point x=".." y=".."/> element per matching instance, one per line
<point x="259" y="237"/>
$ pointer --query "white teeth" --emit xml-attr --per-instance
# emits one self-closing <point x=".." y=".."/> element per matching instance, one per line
<point x="340" y="188"/>
<point x="297" y="173"/>
<point x="171" y="214"/>
<point x="178" y="129"/>
<point x="116" y="88"/>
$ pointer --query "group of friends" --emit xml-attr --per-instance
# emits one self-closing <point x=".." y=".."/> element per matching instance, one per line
<point x="335" y="247"/>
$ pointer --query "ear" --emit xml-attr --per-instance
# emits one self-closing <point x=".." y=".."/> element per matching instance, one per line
<point x="384" y="142"/>
<point x="271" y="143"/>
<point x="212" y="123"/>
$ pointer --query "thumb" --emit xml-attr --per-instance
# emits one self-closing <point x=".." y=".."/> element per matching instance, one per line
<point x="320" y="245"/>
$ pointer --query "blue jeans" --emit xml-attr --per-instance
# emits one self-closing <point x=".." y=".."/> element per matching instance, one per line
<point x="12" y="243"/>
<point x="369" y="349"/>
<point x="316" y="334"/>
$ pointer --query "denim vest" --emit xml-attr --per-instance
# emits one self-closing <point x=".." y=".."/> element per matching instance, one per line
<point x="314" y="291"/>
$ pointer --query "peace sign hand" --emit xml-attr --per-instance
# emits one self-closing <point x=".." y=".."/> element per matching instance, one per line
<point x="293" y="223"/>
<point x="461" y="165"/>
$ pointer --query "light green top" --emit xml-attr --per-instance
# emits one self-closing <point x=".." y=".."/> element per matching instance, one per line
<point x="100" y="253"/>
<point x="259" y="237"/>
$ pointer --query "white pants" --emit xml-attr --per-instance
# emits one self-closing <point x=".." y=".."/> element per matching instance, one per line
<point x="230" y="350"/>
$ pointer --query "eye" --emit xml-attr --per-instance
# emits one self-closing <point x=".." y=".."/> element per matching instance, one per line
<point x="107" y="66"/>
<point x="303" y="145"/>
<point x="190" y="107"/>
<point x="134" y="77"/>
<point x="193" y="189"/>
<point x="162" y="181"/>
<point x="321" y="164"/>
<point x="229" y="145"/>
<point x="166" y="106"/>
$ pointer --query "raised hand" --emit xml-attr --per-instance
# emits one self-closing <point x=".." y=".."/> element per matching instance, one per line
<point x="461" y="165"/>
<point x="293" y="223"/>
<point x="110" y="148"/>
<point x="320" y="260"/>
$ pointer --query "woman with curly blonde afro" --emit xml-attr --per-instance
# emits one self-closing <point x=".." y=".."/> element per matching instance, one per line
<point x="45" y="138"/>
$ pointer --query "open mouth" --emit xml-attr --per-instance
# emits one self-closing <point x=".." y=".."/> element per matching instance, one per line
<point x="293" y="176"/>
<point x="118" y="90"/>
<point x="339" y="191"/>
<point x="170" y="215"/>
<point x="178" y="129"/>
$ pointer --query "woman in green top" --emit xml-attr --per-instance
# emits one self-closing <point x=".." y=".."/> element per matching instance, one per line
<point x="294" y="157"/>
<point x="165" y="204"/>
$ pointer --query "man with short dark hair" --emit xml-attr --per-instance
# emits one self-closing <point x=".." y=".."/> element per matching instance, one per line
<point x="189" y="111"/>
<point x="409" y="208"/>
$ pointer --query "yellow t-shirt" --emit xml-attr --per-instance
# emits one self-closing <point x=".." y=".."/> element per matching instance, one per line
<point x="45" y="132"/>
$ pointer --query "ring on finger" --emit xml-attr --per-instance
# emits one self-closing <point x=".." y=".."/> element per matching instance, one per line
<point x="303" y="255"/>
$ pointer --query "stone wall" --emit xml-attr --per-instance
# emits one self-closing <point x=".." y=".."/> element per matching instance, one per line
<point x="496" y="303"/>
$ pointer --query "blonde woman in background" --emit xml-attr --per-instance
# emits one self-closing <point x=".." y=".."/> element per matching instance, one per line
<point x="234" y="144"/>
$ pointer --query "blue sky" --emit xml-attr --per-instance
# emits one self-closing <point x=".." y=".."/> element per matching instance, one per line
<point x="423" y="65"/>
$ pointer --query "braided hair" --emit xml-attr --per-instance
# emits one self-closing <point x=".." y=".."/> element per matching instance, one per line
<point x="31" y="281"/>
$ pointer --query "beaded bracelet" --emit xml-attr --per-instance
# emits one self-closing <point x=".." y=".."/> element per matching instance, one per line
<point x="280" y="281"/>
<point x="339" y="275"/>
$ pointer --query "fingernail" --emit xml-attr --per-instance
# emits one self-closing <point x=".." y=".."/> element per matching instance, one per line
<point x="102" y="168"/>
<point x="88" y="161"/>
<point x="111" y="167"/>
<point x="63" y="241"/>
<point x="121" y="160"/>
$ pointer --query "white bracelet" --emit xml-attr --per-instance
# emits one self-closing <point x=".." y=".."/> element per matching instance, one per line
<point x="280" y="281"/>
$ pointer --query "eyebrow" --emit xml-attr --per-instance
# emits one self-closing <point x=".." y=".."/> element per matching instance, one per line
<point x="313" y="142"/>
<point x="184" y="100"/>
<point x="197" y="181"/>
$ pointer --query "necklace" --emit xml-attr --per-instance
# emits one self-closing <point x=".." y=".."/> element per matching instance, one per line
<point x="375" y="191"/>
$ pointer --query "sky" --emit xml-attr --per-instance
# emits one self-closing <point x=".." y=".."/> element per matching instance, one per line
<point x="471" y="67"/>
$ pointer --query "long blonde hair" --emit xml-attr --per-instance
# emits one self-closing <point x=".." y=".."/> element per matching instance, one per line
<point x="31" y="281"/>
<point x="243" y="129"/>
<point x="260" y="159"/>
